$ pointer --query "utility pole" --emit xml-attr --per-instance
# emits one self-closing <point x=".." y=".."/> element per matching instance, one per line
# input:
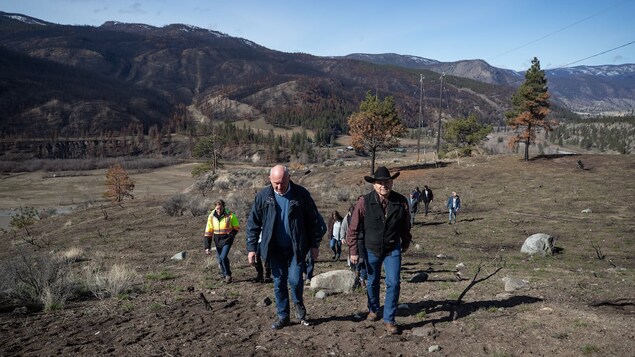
<point x="420" y="117"/>
<point x="440" y="107"/>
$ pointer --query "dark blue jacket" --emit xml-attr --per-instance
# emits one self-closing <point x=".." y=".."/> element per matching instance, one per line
<point x="305" y="222"/>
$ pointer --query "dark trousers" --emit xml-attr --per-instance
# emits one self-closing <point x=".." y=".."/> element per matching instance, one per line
<point x="262" y="273"/>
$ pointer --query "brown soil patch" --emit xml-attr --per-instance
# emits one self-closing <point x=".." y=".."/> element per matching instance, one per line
<point x="576" y="304"/>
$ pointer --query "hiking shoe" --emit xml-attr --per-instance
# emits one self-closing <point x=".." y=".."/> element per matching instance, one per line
<point x="280" y="323"/>
<point x="259" y="279"/>
<point x="300" y="312"/>
<point x="372" y="316"/>
<point x="228" y="279"/>
<point x="391" y="329"/>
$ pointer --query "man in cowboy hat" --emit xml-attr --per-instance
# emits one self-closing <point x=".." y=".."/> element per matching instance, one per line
<point x="382" y="215"/>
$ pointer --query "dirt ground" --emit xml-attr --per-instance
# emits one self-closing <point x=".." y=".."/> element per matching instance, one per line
<point x="575" y="304"/>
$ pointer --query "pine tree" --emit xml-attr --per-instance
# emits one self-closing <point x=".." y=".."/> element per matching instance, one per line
<point x="530" y="107"/>
<point x="118" y="183"/>
<point x="376" y="126"/>
<point x="465" y="133"/>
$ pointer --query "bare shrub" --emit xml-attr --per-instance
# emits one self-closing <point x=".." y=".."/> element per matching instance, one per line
<point x="240" y="204"/>
<point x="72" y="255"/>
<point x="328" y="163"/>
<point x="39" y="278"/>
<point x="223" y="185"/>
<point x="176" y="205"/>
<point x="119" y="279"/>
<point x="343" y="194"/>
<point x="205" y="183"/>
<point x="198" y="206"/>
<point x="48" y="212"/>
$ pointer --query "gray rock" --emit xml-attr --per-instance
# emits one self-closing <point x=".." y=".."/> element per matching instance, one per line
<point x="425" y="332"/>
<point x="321" y="294"/>
<point x="179" y="256"/>
<point x="539" y="243"/>
<point x="588" y="210"/>
<point x="434" y="348"/>
<point x="337" y="281"/>
<point x="513" y="284"/>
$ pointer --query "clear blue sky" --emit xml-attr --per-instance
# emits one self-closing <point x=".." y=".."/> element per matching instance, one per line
<point x="505" y="33"/>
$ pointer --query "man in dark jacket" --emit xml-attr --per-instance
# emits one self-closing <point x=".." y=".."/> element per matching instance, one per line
<point x="383" y="216"/>
<point x="291" y="226"/>
<point x="426" y="196"/>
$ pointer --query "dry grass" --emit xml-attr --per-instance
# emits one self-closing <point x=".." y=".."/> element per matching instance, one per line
<point x="118" y="280"/>
<point x="74" y="254"/>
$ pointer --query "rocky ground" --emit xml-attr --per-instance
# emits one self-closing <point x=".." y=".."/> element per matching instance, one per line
<point x="574" y="303"/>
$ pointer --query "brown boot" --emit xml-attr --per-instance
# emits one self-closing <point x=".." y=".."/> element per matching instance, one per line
<point x="372" y="316"/>
<point x="391" y="329"/>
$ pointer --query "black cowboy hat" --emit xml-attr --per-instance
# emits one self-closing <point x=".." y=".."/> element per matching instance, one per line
<point x="381" y="173"/>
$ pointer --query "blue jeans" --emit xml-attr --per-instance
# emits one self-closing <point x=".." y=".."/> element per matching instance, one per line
<point x="336" y="246"/>
<point x="286" y="268"/>
<point x="392" y="267"/>
<point x="452" y="215"/>
<point x="223" y="259"/>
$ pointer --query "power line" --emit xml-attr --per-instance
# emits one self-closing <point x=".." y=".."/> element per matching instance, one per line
<point x="595" y="55"/>
<point x="555" y="32"/>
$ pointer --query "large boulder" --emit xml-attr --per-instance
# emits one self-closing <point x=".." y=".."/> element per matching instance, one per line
<point x="539" y="243"/>
<point x="339" y="281"/>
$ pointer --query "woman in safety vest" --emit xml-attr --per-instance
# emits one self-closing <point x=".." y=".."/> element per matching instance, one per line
<point x="222" y="226"/>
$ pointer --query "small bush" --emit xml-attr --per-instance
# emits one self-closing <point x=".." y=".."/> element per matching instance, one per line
<point x="343" y="194"/>
<point x="48" y="212"/>
<point x="198" y="206"/>
<point x="41" y="278"/>
<point x="118" y="280"/>
<point x="176" y="205"/>
<point x="73" y="255"/>
<point x="26" y="217"/>
<point x="201" y="169"/>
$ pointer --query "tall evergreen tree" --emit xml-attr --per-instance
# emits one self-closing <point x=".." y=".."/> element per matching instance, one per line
<point x="530" y="107"/>
<point x="465" y="133"/>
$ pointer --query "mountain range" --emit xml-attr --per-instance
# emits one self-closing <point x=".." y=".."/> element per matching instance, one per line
<point x="86" y="80"/>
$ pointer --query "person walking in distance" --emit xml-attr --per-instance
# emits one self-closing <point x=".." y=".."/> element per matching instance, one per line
<point x="413" y="200"/>
<point x="333" y="230"/>
<point x="291" y="226"/>
<point x="454" y="204"/>
<point x="384" y="218"/>
<point x="222" y="227"/>
<point x="426" y="196"/>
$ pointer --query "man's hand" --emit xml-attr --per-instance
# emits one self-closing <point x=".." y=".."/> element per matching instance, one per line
<point x="251" y="258"/>
<point x="207" y="251"/>
<point x="315" y="252"/>
<point x="354" y="259"/>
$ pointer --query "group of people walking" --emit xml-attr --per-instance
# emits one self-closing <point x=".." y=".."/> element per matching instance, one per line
<point x="285" y="229"/>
